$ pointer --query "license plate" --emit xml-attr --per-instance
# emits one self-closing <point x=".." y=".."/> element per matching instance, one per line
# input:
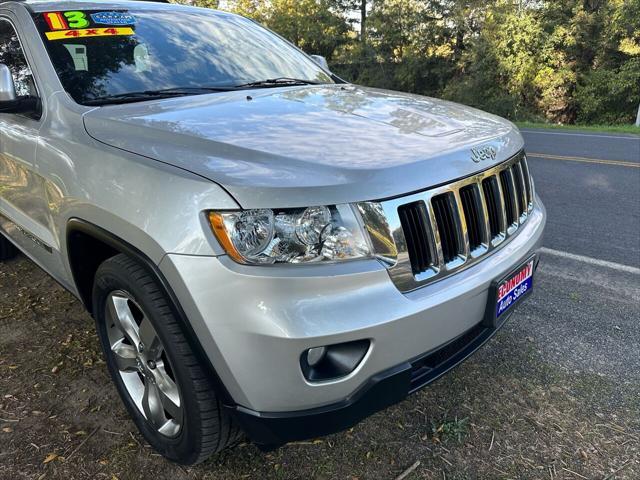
<point x="509" y="291"/>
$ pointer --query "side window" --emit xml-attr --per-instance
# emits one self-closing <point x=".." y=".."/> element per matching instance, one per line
<point x="12" y="56"/>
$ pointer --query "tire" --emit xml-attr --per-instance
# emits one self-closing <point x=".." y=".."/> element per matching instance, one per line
<point x="168" y="393"/>
<point x="7" y="249"/>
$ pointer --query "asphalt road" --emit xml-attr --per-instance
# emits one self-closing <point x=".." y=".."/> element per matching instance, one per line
<point x="590" y="184"/>
<point x="585" y="314"/>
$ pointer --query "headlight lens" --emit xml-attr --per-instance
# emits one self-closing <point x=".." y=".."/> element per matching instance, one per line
<point x="308" y="235"/>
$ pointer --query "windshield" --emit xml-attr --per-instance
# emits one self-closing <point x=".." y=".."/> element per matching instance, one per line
<point x="105" y="54"/>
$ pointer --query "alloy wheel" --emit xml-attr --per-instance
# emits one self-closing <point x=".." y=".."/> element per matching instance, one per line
<point x="143" y="364"/>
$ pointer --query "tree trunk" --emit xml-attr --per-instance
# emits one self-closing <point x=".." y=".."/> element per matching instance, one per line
<point x="638" y="119"/>
<point x="363" y="22"/>
<point x="459" y="46"/>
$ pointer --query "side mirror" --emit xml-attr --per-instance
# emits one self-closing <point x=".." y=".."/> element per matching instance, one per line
<point x="9" y="101"/>
<point x="320" y="60"/>
<point x="7" y="88"/>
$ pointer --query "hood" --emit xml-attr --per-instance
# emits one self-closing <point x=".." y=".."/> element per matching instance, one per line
<point x="311" y="145"/>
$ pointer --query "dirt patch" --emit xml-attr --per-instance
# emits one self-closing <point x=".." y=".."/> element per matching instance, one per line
<point x="507" y="413"/>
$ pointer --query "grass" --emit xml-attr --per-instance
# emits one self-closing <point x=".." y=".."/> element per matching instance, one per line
<point x="455" y="429"/>
<point x="632" y="129"/>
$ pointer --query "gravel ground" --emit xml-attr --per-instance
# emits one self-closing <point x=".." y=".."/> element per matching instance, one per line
<point x="553" y="395"/>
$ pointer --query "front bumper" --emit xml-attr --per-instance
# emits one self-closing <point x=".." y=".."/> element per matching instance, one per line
<point x="254" y="323"/>
<point x="270" y="430"/>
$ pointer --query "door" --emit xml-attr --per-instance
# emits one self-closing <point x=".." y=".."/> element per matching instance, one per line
<point x="22" y="213"/>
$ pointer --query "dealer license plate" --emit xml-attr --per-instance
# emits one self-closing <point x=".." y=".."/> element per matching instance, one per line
<point x="510" y="291"/>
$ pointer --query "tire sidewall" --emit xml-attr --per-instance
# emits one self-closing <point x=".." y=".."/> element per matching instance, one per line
<point x="185" y="447"/>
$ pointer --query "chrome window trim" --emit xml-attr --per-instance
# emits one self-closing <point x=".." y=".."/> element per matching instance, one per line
<point x="401" y="272"/>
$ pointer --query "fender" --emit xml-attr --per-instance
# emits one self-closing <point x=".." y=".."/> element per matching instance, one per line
<point x="75" y="225"/>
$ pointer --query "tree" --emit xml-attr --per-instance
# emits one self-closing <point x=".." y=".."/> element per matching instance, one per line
<point x="247" y="8"/>
<point x="312" y="25"/>
<point x="199" y="3"/>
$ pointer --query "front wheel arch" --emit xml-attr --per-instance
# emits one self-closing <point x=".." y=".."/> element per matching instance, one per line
<point x="89" y="245"/>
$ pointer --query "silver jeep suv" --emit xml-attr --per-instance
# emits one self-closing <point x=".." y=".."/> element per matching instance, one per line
<point x="264" y="247"/>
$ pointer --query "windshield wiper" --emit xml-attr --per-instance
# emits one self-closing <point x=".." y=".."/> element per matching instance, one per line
<point x="277" y="82"/>
<point x="130" y="97"/>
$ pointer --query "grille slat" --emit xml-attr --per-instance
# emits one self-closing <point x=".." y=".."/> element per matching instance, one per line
<point x="520" y="189"/>
<point x="527" y="180"/>
<point x="492" y="199"/>
<point x="447" y="227"/>
<point x="472" y="212"/>
<point x="420" y="215"/>
<point x="491" y="205"/>
<point x="413" y="220"/>
<point x="506" y="181"/>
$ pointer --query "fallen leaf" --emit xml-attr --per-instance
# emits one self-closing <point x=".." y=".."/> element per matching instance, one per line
<point x="50" y="458"/>
<point x="7" y="429"/>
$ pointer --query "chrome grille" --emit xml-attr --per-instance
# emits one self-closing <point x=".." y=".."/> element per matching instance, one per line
<point x="443" y="230"/>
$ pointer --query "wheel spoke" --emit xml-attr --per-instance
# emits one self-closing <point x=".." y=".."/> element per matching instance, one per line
<point x="150" y="340"/>
<point x="152" y="405"/>
<point x="123" y="317"/>
<point x="169" y="395"/>
<point x="125" y="356"/>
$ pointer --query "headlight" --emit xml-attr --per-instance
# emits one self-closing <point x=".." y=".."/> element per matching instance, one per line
<point x="307" y="235"/>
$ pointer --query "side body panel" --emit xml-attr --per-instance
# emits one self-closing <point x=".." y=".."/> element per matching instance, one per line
<point x="155" y="207"/>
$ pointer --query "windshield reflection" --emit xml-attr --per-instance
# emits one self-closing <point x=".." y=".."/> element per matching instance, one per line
<point x="175" y="48"/>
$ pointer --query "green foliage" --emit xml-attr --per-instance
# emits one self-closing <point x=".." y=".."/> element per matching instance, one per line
<point x="554" y="60"/>
<point x="312" y="25"/>
<point x="199" y="3"/>
<point x="610" y="96"/>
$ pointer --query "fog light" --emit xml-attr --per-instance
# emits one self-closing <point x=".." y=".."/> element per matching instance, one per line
<point x="315" y="355"/>
<point x="332" y="361"/>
